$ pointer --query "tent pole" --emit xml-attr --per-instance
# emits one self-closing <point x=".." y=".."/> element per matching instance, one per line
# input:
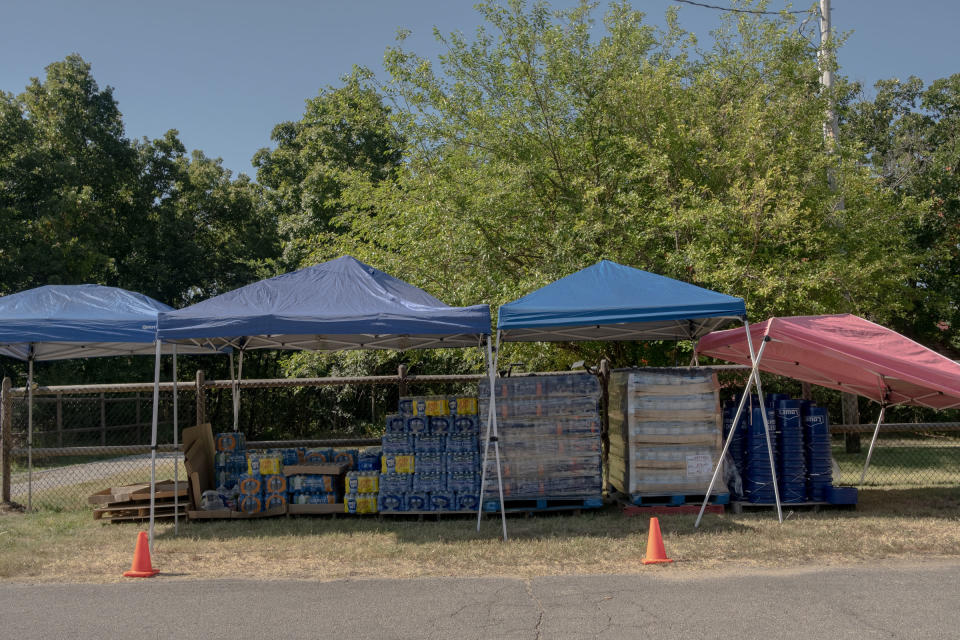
<point x="491" y="436"/>
<point x="766" y="423"/>
<point x="153" y="437"/>
<point x="236" y="401"/>
<point x="30" y="430"/>
<point x="233" y="390"/>
<point x="486" y="440"/>
<point x="176" y="450"/>
<point x="736" y="421"/>
<point x="873" y="442"/>
<point x="496" y="439"/>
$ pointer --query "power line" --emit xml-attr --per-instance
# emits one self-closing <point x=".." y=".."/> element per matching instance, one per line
<point x="735" y="10"/>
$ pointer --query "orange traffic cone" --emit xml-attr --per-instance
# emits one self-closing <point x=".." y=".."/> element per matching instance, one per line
<point x="655" y="551"/>
<point x="141" y="559"/>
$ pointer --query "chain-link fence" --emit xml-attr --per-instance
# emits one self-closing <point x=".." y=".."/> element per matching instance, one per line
<point x="905" y="455"/>
<point x="90" y="438"/>
<point x="85" y="442"/>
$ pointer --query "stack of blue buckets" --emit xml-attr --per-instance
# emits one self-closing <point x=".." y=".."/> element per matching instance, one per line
<point x="816" y="436"/>
<point x="791" y="467"/>
<point x="800" y="436"/>
<point x="758" y="483"/>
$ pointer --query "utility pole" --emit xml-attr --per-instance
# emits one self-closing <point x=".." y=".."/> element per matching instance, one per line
<point x="831" y="128"/>
<point x="831" y="134"/>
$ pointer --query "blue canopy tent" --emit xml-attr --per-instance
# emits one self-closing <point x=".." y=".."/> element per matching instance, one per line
<point x="610" y="301"/>
<point x="60" y="322"/>
<point x="337" y="305"/>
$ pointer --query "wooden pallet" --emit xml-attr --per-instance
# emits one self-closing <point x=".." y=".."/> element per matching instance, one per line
<point x="138" y="492"/>
<point x="420" y="514"/>
<point x="315" y="509"/>
<point x="673" y="499"/>
<point x="746" y="507"/>
<point x="224" y="514"/>
<point x="132" y="502"/>
<point x="532" y="505"/>
<point x="139" y="511"/>
<point x="663" y="509"/>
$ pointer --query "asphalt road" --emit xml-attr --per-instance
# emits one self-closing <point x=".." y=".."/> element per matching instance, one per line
<point x="918" y="601"/>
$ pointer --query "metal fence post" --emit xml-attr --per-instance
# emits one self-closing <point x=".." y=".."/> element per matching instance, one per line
<point x="103" y="419"/>
<point x="402" y="374"/>
<point x="137" y="419"/>
<point x="6" y="427"/>
<point x="201" y="398"/>
<point x="59" y="419"/>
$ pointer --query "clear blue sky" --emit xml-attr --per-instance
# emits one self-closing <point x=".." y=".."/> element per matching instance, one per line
<point x="225" y="72"/>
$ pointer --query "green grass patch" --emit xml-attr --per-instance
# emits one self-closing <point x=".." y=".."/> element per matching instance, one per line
<point x="889" y="525"/>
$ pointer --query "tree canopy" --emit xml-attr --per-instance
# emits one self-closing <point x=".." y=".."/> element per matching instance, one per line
<point x="529" y="149"/>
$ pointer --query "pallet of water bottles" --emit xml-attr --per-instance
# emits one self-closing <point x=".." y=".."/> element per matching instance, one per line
<point x="431" y="457"/>
<point x="272" y="482"/>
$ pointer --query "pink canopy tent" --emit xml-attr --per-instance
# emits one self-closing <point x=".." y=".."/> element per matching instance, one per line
<point x="847" y="353"/>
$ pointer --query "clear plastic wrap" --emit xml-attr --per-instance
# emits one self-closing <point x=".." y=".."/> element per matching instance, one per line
<point x="549" y="432"/>
<point x="665" y="430"/>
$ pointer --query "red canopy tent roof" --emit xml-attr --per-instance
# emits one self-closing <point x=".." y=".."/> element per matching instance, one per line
<point x="848" y="353"/>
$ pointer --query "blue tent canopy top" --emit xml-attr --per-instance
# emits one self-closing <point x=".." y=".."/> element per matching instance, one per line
<point x="610" y="301"/>
<point x="340" y="304"/>
<point x="57" y="322"/>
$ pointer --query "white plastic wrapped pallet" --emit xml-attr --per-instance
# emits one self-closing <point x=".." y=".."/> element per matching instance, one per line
<point x="665" y="430"/>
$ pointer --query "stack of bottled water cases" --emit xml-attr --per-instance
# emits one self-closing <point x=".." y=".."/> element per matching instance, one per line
<point x="229" y="463"/>
<point x="549" y="434"/>
<point x="320" y="488"/>
<point x="431" y="459"/>
<point x="253" y="481"/>
<point x="665" y="430"/>
<point x="263" y="487"/>
<point x="363" y="483"/>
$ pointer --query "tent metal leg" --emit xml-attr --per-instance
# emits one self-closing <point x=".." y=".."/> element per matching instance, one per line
<point x="233" y="390"/>
<point x="153" y="439"/>
<point x="873" y="443"/>
<point x="491" y="437"/>
<point x="486" y="455"/>
<point x="766" y="423"/>
<point x="176" y="450"/>
<point x="29" y="431"/>
<point x="754" y="372"/>
<point x="236" y="400"/>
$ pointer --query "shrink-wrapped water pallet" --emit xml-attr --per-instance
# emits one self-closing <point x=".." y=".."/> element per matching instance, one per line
<point x="549" y="434"/>
<point x="665" y="431"/>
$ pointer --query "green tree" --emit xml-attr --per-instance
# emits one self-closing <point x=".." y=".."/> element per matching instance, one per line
<point x="536" y="149"/>
<point x="910" y="136"/>
<point x="203" y="232"/>
<point x="345" y="132"/>
<point x="80" y="203"/>
<point x="66" y="170"/>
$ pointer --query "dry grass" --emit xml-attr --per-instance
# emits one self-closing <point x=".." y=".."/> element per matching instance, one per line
<point x="903" y="525"/>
